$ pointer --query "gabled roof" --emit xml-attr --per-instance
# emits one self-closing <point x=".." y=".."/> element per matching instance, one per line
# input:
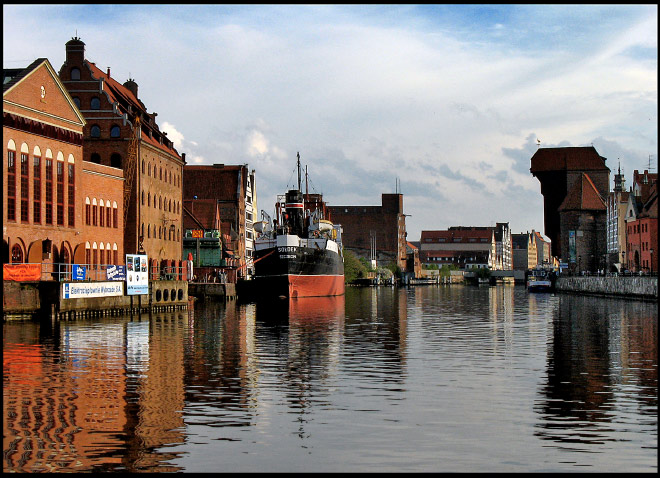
<point x="650" y="208"/>
<point x="582" y="158"/>
<point x="583" y="196"/>
<point x="200" y="213"/>
<point x="123" y="97"/>
<point x="14" y="76"/>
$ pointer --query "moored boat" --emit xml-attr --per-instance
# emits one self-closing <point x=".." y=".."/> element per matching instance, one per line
<point x="299" y="253"/>
<point x="539" y="280"/>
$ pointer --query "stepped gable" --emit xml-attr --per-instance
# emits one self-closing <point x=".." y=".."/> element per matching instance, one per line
<point x="122" y="97"/>
<point x="583" y="196"/>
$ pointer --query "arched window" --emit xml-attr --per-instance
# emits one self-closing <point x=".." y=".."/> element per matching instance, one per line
<point x="115" y="131"/>
<point x="143" y="166"/>
<point x="95" y="131"/>
<point x="76" y="100"/>
<point x="148" y="231"/>
<point x="149" y="199"/>
<point x="95" y="158"/>
<point x="95" y="103"/>
<point x="75" y="74"/>
<point x="115" y="160"/>
<point x="143" y="197"/>
<point x="17" y="253"/>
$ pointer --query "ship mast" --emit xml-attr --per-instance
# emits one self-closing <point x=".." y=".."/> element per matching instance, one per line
<point x="299" y="171"/>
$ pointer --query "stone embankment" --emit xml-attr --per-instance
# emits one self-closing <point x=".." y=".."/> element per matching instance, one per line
<point x="623" y="286"/>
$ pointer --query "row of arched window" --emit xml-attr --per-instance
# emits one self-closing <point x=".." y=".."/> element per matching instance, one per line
<point x="40" y="187"/>
<point x="159" y="232"/>
<point x="163" y="204"/>
<point x="95" y="131"/>
<point x="157" y="172"/>
<point x="115" y="159"/>
<point x="98" y="254"/>
<point x="94" y="103"/>
<point x="101" y="213"/>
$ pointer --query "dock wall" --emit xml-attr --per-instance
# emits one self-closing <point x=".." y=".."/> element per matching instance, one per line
<point x="627" y="286"/>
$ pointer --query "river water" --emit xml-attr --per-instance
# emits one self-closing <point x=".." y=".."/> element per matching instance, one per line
<point x="429" y="378"/>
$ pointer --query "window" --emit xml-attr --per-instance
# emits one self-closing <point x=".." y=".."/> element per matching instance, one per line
<point x="114" y="132"/>
<point x="95" y="158"/>
<point x="75" y="74"/>
<point x="72" y="196"/>
<point x="60" y="193"/>
<point x="115" y="224"/>
<point x="24" y="187"/>
<point x="94" y="213"/>
<point x="95" y="131"/>
<point x="115" y="160"/>
<point x="108" y="219"/>
<point x="76" y="100"/>
<point x="49" y="190"/>
<point x="17" y="253"/>
<point x="88" y="212"/>
<point x="11" y="186"/>
<point x="101" y="213"/>
<point x="95" y="104"/>
<point x="36" y="191"/>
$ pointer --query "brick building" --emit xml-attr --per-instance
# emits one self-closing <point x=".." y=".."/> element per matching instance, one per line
<point x="464" y="247"/>
<point x="558" y="170"/>
<point x="119" y="133"/>
<point x="543" y="250"/>
<point x="233" y="188"/>
<point x="641" y="219"/>
<point x="375" y="232"/>
<point x="583" y="222"/>
<point x="42" y="134"/>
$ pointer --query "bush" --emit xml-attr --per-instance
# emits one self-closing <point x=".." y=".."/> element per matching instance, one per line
<point x="353" y="267"/>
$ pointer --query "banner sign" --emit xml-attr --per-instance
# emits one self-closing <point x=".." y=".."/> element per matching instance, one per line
<point x="571" y="246"/>
<point x="81" y="290"/>
<point x="116" y="272"/>
<point x="21" y="272"/>
<point x="137" y="275"/>
<point x="78" y="272"/>
<point x="197" y="233"/>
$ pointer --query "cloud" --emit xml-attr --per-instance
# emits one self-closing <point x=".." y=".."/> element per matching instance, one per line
<point x="446" y="101"/>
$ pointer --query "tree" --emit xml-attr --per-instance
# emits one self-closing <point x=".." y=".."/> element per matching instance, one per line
<point x="353" y="267"/>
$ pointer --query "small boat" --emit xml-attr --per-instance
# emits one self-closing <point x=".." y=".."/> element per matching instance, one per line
<point x="299" y="254"/>
<point x="539" y="280"/>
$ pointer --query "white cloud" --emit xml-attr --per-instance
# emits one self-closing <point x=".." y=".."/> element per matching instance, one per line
<point x="448" y="102"/>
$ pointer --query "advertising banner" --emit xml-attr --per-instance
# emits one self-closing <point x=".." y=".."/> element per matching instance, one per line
<point x="21" y="272"/>
<point x="137" y="275"/>
<point x="571" y="246"/>
<point x="82" y="290"/>
<point x="116" y="272"/>
<point x="78" y="272"/>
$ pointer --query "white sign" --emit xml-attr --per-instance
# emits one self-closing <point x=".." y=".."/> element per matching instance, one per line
<point x="137" y="274"/>
<point x="81" y="290"/>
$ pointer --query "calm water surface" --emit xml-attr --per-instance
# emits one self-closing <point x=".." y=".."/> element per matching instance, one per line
<point x="432" y="378"/>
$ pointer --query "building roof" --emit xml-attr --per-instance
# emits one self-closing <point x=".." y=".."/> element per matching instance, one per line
<point x="453" y="235"/>
<point x="582" y="158"/>
<point x="583" y="196"/>
<point x="650" y="208"/>
<point x="200" y="213"/>
<point x="520" y="241"/>
<point x="123" y="98"/>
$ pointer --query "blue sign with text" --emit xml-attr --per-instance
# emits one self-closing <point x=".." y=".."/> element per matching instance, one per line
<point x="79" y="272"/>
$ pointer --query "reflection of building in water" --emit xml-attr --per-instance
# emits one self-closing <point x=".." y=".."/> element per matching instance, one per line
<point x="597" y="345"/>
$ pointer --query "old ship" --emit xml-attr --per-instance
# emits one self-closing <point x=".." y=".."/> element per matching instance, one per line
<point x="299" y="252"/>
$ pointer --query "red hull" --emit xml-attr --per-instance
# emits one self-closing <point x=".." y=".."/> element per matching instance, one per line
<point x="315" y="285"/>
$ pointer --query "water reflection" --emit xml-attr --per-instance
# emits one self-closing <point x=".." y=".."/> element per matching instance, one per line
<point x="421" y="379"/>
<point x="602" y="360"/>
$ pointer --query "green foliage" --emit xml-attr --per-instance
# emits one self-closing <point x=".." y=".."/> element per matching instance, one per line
<point x="354" y="267"/>
<point x="483" y="273"/>
<point x="430" y="267"/>
<point x="394" y="269"/>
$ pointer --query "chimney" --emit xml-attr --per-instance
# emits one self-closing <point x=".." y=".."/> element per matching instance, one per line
<point x="131" y="85"/>
<point x="108" y="72"/>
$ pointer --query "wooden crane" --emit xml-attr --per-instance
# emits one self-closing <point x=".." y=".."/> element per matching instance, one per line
<point x="131" y="166"/>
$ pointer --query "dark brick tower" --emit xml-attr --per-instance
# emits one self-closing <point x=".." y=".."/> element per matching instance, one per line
<point x="558" y="169"/>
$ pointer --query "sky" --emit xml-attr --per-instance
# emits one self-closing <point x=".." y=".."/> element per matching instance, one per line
<point x="445" y="104"/>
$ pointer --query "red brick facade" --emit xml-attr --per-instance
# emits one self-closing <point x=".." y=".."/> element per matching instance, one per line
<point x="385" y="224"/>
<point x="151" y="166"/>
<point x="42" y="167"/>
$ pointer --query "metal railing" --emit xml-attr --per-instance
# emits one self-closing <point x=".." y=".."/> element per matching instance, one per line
<point x="61" y="272"/>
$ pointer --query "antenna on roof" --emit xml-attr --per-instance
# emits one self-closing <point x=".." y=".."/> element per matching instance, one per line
<point x="650" y="163"/>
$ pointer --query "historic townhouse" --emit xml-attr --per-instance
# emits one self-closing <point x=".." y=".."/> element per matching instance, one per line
<point x="464" y="247"/>
<point x="121" y="135"/>
<point x="42" y="133"/>
<point x="641" y="219"/>
<point x="525" y="255"/>
<point x="617" y="203"/>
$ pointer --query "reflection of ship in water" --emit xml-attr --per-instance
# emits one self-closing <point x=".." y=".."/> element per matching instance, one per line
<point x="308" y="333"/>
